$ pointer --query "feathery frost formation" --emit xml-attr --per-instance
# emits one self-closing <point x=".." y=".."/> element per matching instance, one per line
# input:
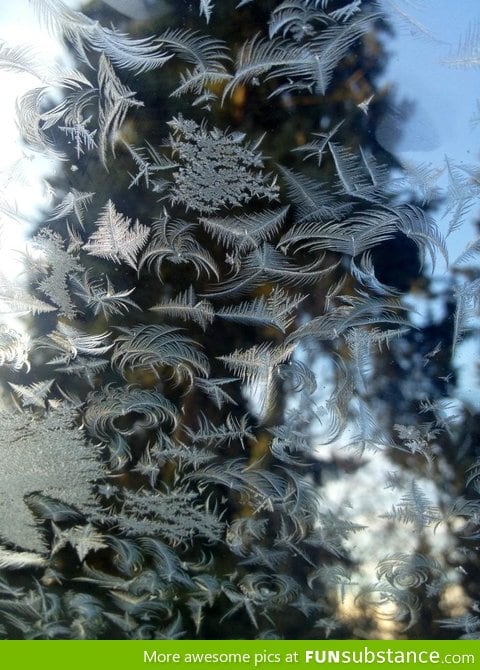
<point x="135" y="485"/>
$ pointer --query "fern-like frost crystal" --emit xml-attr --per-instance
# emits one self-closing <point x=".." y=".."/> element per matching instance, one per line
<point x="203" y="329"/>
<point x="212" y="162"/>
<point x="115" y="238"/>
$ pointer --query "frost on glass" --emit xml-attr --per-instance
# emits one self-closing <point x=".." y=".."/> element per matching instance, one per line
<point x="207" y="331"/>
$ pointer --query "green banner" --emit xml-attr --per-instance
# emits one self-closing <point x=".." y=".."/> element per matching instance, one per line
<point x="238" y="654"/>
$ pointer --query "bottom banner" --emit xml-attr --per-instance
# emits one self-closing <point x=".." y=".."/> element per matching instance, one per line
<point x="238" y="654"/>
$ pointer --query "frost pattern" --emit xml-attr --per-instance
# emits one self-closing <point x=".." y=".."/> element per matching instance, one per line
<point x="45" y="453"/>
<point x="159" y="473"/>
<point x="218" y="169"/>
